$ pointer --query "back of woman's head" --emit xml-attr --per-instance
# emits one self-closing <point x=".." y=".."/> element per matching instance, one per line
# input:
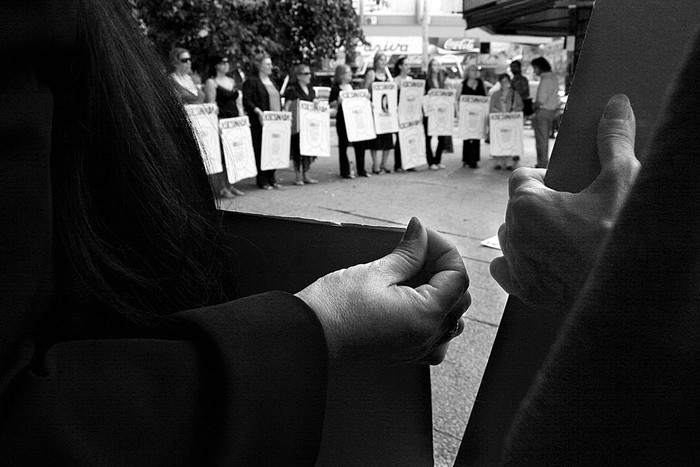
<point x="212" y="61"/>
<point x="542" y="64"/>
<point x="135" y="215"/>
<point x="340" y="71"/>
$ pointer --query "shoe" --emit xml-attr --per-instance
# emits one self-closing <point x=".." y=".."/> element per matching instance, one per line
<point x="441" y="166"/>
<point x="434" y="167"/>
<point x="225" y="193"/>
<point x="516" y="158"/>
<point x="376" y="172"/>
<point x="509" y="167"/>
<point x="366" y="175"/>
<point x="310" y="181"/>
<point x="299" y="183"/>
<point x="474" y="166"/>
<point x="265" y="187"/>
<point x="410" y="170"/>
<point x="276" y="186"/>
<point x="384" y="171"/>
<point x="236" y="191"/>
<point x="400" y="170"/>
<point x="497" y="166"/>
<point x="349" y="177"/>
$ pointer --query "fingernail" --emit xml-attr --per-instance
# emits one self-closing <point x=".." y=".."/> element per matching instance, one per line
<point x="618" y="108"/>
<point x="413" y="229"/>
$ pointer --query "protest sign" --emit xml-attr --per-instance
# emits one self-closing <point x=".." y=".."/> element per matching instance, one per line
<point x="357" y="110"/>
<point x="276" y="140"/>
<point x="314" y="129"/>
<point x="412" y="141"/>
<point x="386" y="119"/>
<point x="206" y="128"/>
<point x="441" y="111"/>
<point x="473" y="115"/>
<point x="506" y="134"/>
<point x="238" y="148"/>
<point x="410" y="100"/>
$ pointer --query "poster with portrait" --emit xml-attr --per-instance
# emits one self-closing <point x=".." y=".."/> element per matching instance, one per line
<point x="412" y="141"/>
<point x="441" y="112"/>
<point x="357" y="111"/>
<point x="204" y="120"/>
<point x="314" y="129"/>
<point x="384" y="105"/>
<point x="276" y="140"/>
<point x="411" y="100"/>
<point x="506" y="134"/>
<point x="238" y="148"/>
<point x="473" y="116"/>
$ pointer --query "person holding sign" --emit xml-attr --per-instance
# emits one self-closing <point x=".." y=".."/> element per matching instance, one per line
<point x="341" y="82"/>
<point x="221" y="89"/>
<point x="506" y="99"/>
<point x="434" y="80"/>
<point x="299" y="89"/>
<point x="401" y="70"/>
<point x="260" y="93"/>
<point x="186" y="88"/>
<point x="472" y="86"/>
<point x="384" y="142"/>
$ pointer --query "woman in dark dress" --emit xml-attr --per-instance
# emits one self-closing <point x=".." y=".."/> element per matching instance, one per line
<point x="474" y="86"/>
<point x="221" y="88"/>
<point x="384" y="142"/>
<point x="300" y="89"/>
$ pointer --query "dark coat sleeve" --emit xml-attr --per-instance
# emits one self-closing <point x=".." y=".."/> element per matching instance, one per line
<point x="620" y="386"/>
<point x="242" y="383"/>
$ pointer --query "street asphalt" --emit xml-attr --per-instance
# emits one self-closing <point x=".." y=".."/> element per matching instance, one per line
<point x="465" y="205"/>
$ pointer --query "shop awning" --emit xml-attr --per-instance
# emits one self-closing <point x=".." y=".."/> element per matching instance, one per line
<point x="522" y="17"/>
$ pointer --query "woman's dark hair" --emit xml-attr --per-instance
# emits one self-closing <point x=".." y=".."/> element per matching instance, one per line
<point x="134" y="212"/>
<point x="542" y="64"/>
<point x="212" y="62"/>
<point x="503" y="76"/>
<point x="298" y="68"/>
<point x="339" y="72"/>
<point x="397" y="65"/>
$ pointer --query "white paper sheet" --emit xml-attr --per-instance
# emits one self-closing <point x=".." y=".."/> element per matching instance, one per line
<point x="506" y="134"/>
<point x="206" y="128"/>
<point x="385" y="108"/>
<point x="441" y="111"/>
<point x="238" y="148"/>
<point x="276" y="140"/>
<point x="412" y="140"/>
<point x="473" y="116"/>
<point x="357" y="110"/>
<point x="314" y="129"/>
<point x="411" y="100"/>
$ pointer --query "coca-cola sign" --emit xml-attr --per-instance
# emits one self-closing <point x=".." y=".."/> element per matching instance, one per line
<point x="464" y="44"/>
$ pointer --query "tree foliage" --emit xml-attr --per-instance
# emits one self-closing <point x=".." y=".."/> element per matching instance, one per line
<point x="291" y="31"/>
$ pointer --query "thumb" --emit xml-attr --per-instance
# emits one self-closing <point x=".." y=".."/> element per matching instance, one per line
<point x="408" y="257"/>
<point x="616" y="135"/>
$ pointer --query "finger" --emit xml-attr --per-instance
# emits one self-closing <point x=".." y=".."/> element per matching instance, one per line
<point x="436" y="355"/>
<point x="526" y="178"/>
<point x="503" y="239"/>
<point x="500" y="271"/>
<point x="408" y="257"/>
<point x="449" y="279"/>
<point x="616" y="136"/>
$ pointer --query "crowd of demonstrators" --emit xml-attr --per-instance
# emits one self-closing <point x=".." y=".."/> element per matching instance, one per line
<point x="235" y="96"/>
<point x="300" y="89"/>
<point x="506" y="99"/>
<point x="472" y="86"/>
<point x="545" y="106"/>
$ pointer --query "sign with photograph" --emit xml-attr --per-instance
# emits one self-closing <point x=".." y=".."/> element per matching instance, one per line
<point x="276" y="140"/>
<point x="506" y="134"/>
<point x="412" y="141"/>
<point x="357" y="110"/>
<point x="473" y="116"/>
<point x="441" y="112"/>
<point x="386" y="118"/>
<point x="204" y="119"/>
<point x="314" y="129"/>
<point x="411" y="100"/>
<point x="238" y="148"/>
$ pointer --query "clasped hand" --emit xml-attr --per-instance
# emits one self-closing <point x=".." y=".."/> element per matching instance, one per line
<point x="550" y="239"/>
<point x="368" y="314"/>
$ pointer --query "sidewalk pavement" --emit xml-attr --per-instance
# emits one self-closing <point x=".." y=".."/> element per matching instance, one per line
<point x="465" y="205"/>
